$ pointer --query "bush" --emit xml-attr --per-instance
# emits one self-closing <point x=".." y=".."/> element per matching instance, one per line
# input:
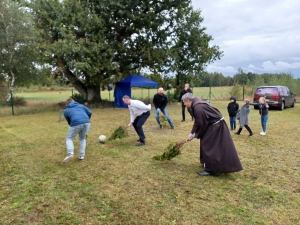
<point x="78" y="98"/>
<point x="19" y="101"/>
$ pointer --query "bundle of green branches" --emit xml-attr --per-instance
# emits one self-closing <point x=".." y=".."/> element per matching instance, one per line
<point x="170" y="152"/>
<point x="120" y="132"/>
<point x="163" y="121"/>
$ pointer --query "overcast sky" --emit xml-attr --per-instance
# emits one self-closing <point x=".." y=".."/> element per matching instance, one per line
<point x="257" y="35"/>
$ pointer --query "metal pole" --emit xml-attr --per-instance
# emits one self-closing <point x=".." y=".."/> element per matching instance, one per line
<point x="12" y="102"/>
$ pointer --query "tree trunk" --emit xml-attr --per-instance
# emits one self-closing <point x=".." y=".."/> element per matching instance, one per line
<point x="89" y="93"/>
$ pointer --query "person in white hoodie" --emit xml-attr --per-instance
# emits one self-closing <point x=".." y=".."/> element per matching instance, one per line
<point x="139" y="113"/>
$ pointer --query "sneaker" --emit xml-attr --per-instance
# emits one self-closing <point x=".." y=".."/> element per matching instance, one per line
<point x="237" y="133"/>
<point x="68" y="158"/>
<point x="182" y="120"/>
<point x="204" y="173"/>
<point x="140" y="144"/>
<point x="173" y="128"/>
<point x="81" y="157"/>
<point x="262" y="133"/>
<point x="160" y="126"/>
<point x="250" y="135"/>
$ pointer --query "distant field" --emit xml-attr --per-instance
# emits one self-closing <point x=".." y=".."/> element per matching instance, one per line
<point x="220" y="93"/>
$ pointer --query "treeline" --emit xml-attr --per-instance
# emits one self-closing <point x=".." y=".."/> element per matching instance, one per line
<point x="250" y="81"/>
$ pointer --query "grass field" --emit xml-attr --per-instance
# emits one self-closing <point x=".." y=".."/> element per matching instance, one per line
<point x="56" y="96"/>
<point x="119" y="183"/>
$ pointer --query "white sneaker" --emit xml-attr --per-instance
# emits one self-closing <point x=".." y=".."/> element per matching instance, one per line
<point x="68" y="158"/>
<point x="81" y="157"/>
<point x="262" y="133"/>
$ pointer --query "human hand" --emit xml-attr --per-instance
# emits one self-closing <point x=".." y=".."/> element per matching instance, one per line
<point x="178" y="103"/>
<point x="129" y="125"/>
<point x="190" y="137"/>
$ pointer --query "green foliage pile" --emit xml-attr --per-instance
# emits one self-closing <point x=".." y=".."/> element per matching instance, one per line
<point x="120" y="132"/>
<point x="170" y="152"/>
<point x="163" y="121"/>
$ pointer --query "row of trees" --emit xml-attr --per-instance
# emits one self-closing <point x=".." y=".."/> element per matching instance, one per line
<point x="93" y="43"/>
<point x="90" y="44"/>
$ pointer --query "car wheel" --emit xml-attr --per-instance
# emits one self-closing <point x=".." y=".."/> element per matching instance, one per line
<point x="282" y="106"/>
<point x="293" y="105"/>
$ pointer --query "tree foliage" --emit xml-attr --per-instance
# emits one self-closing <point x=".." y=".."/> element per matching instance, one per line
<point x="93" y="43"/>
<point x="17" y="54"/>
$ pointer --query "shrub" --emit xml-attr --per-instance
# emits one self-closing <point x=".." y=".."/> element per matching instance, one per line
<point x="19" y="101"/>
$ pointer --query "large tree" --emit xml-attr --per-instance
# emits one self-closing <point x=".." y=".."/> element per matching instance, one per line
<point x="16" y="44"/>
<point x="92" y="43"/>
<point x="190" y="52"/>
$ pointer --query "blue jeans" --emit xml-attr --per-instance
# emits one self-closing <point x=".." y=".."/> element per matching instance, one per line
<point x="165" y="112"/>
<point x="264" y="120"/>
<point x="232" y="122"/>
<point x="72" y="132"/>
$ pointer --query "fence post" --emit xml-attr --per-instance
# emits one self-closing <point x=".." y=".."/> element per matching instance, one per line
<point x="12" y="102"/>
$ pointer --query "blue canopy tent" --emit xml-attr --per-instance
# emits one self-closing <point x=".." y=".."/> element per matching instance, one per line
<point x="123" y="87"/>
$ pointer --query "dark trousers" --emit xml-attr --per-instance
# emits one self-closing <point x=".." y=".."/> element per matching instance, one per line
<point x="183" y="111"/>
<point x="138" y="125"/>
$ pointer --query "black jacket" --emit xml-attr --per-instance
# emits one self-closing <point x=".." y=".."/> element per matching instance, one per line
<point x="233" y="107"/>
<point x="160" y="101"/>
<point x="183" y="92"/>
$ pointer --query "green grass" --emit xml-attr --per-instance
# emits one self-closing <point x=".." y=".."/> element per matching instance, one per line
<point x="57" y="96"/>
<point x="119" y="183"/>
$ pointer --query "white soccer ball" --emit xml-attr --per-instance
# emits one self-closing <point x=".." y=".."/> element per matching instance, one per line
<point x="102" y="138"/>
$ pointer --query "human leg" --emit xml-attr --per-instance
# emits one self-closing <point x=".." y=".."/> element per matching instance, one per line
<point x="139" y="125"/>
<point x="165" y="112"/>
<point x="249" y="130"/>
<point x="264" y="120"/>
<point x="157" y="117"/>
<point x="183" y="111"/>
<point x="72" y="132"/>
<point x="239" y="131"/>
<point x="234" y="122"/>
<point x="82" y="139"/>
<point x="231" y="122"/>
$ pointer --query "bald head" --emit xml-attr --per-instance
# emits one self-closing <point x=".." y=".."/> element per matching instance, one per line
<point x="160" y="91"/>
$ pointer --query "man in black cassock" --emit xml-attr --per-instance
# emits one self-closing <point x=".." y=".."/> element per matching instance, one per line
<point x="217" y="150"/>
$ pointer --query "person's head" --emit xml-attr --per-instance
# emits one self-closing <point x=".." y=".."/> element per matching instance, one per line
<point x="126" y="99"/>
<point x="262" y="100"/>
<point x="232" y="98"/>
<point x="247" y="101"/>
<point x="187" y="99"/>
<point x="69" y="100"/>
<point x="186" y="86"/>
<point x="160" y="91"/>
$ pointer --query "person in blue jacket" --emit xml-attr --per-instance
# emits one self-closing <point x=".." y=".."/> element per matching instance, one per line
<point x="78" y="117"/>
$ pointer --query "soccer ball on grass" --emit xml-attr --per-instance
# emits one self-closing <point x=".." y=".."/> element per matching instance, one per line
<point x="102" y="138"/>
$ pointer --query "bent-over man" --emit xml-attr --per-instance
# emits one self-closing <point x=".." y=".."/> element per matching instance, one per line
<point x="142" y="112"/>
<point x="217" y="150"/>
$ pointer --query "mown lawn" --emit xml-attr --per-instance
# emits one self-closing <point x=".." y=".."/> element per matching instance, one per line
<point x="119" y="183"/>
<point x="144" y="93"/>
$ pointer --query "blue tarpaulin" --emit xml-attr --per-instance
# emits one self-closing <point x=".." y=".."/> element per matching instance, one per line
<point x="123" y="87"/>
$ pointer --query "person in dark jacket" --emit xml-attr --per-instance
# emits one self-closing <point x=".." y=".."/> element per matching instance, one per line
<point x="78" y="117"/>
<point x="183" y="92"/>
<point x="243" y="117"/>
<point x="217" y="150"/>
<point x="264" y="114"/>
<point x="160" y="102"/>
<point x="232" y="109"/>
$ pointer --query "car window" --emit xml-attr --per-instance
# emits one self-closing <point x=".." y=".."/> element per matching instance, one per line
<point x="284" y="91"/>
<point x="266" y="91"/>
<point x="288" y="91"/>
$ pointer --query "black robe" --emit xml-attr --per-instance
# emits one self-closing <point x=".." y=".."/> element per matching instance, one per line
<point x="217" y="150"/>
